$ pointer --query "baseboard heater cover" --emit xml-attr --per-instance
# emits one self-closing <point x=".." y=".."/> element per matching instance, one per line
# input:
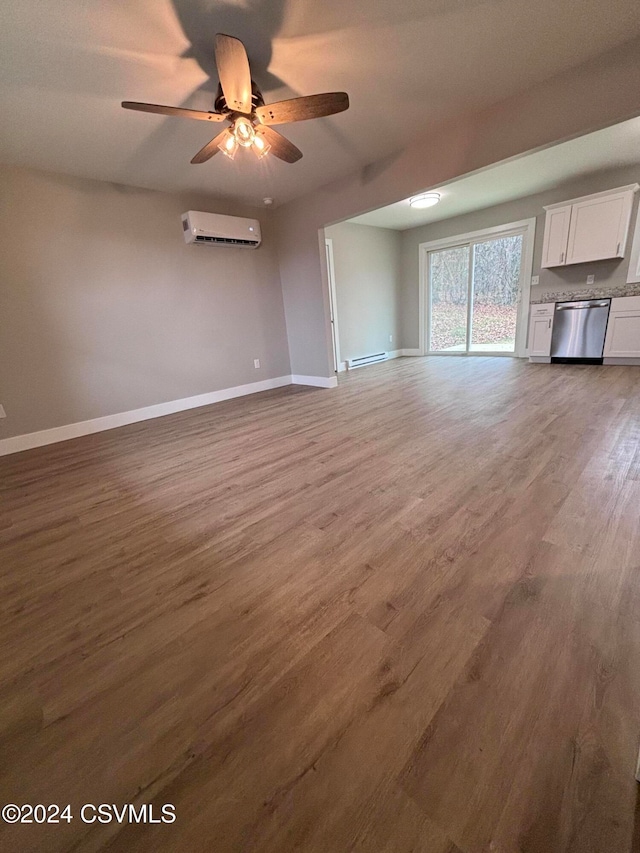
<point x="366" y="359"/>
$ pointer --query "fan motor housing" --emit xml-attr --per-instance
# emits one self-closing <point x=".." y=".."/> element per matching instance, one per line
<point x="220" y="103"/>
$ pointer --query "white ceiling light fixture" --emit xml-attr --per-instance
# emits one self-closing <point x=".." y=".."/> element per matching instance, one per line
<point x="424" y="200"/>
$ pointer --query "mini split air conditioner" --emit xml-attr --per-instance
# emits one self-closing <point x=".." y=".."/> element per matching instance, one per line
<point x="214" y="229"/>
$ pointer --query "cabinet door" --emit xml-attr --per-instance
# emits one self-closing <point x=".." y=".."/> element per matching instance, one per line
<point x="540" y="336"/>
<point x="540" y="323"/>
<point x="623" y="330"/>
<point x="556" y="234"/>
<point x="599" y="228"/>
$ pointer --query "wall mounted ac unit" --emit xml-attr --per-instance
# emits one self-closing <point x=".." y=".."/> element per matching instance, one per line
<point x="215" y="229"/>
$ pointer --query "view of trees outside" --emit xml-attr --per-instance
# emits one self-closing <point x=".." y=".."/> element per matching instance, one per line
<point x="496" y="279"/>
<point x="449" y="278"/>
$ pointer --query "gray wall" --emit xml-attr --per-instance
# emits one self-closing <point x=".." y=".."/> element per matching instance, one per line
<point x="611" y="273"/>
<point x="366" y="261"/>
<point x="603" y="91"/>
<point x="104" y="309"/>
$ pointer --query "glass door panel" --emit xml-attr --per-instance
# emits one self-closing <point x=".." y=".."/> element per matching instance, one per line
<point x="496" y="288"/>
<point x="449" y="299"/>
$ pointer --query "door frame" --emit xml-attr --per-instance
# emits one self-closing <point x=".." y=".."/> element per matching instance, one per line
<point x="333" y="304"/>
<point x="526" y="227"/>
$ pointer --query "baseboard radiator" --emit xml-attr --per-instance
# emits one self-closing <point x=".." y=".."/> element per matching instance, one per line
<point x="366" y="359"/>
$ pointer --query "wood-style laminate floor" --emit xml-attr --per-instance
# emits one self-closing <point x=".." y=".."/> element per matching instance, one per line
<point x="402" y="615"/>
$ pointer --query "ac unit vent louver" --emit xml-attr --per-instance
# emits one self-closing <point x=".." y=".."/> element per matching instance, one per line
<point x="229" y="241"/>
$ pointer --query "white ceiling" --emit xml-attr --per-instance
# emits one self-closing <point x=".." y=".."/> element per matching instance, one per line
<point x="65" y="65"/>
<point x="618" y="145"/>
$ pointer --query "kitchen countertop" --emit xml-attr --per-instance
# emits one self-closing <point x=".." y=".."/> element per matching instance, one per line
<point x="587" y="293"/>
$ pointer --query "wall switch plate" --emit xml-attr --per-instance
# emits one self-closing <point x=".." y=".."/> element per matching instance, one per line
<point x="3" y="414"/>
<point x="591" y="279"/>
<point x="535" y="279"/>
<point x="256" y="363"/>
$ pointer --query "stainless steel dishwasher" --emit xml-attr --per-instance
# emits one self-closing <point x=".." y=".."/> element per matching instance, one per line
<point x="578" y="331"/>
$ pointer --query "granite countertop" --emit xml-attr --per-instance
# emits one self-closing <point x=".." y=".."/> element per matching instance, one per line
<point x="587" y="293"/>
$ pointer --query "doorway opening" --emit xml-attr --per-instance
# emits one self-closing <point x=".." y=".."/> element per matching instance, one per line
<point x="333" y="317"/>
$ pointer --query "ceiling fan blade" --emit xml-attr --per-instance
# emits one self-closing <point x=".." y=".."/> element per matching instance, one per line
<point x="173" y="111"/>
<point x="209" y="149"/>
<point x="234" y="73"/>
<point x="301" y="109"/>
<point x="280" y="145"/>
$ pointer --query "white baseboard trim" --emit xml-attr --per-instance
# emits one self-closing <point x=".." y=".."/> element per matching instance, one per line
<point x="18" y="443"/>
<point x="315" y="381"/>
<point x="410" y="352"/>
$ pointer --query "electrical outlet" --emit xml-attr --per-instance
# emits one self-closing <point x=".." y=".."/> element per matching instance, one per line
<point x="591" y="279"/>
<point x="256" y="363"/>
<point x="535" y="279"/>
<point x="3" y="414"/>
<point x="390" y="339"/>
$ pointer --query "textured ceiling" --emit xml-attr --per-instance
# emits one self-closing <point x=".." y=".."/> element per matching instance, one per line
<point x="614" y="146"/>
<point x="65" y="65"/>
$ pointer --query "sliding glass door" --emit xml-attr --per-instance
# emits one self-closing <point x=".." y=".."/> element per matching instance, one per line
<point x="473" y="296"/>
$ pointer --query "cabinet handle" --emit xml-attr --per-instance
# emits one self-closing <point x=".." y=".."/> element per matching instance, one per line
<point x="549" y="323"/>
<point x="618" y="249"/>
<point x="562" y="258"/>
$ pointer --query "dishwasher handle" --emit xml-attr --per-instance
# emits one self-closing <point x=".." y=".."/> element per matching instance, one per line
<point x="582" y="307"/>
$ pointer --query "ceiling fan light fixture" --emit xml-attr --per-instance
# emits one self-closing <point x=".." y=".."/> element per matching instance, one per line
<point x="424" y="200"/>
<point x="239" y="102"/>
<point x="260" y="146"/>
<point x="244" y="132"/>
<point x="229" y="145"/>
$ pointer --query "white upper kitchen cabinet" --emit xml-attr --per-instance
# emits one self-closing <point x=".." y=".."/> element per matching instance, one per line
<point x="591" y="228"/>
<point x="599" y="227"/>
<point x="556" y="236"/>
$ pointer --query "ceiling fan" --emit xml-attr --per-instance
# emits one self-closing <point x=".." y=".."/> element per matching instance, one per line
<point x="240" y="102"/>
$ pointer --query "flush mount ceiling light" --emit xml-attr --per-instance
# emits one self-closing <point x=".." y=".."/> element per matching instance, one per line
<point x="424" y="200"/>
<point x="240" y="102"/>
